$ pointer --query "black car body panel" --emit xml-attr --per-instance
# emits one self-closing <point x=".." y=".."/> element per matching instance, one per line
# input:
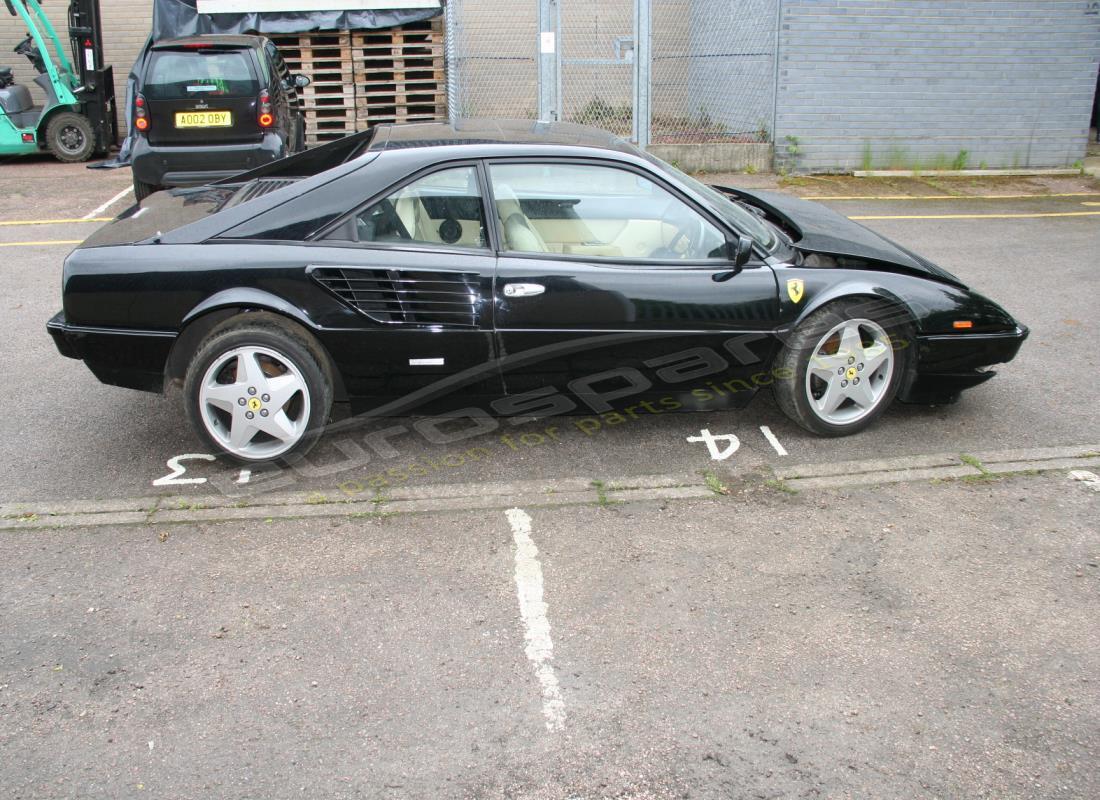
<point x="817" y="228"/>
<point x="139" y="293"/>
<point x="169" y="155"/>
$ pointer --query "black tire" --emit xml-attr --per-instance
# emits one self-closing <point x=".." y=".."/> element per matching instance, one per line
<point x="143" y="190"/>
<point x="70" y="137"/>
<point x="791" y="389"/>
<point x="292" y="347"/>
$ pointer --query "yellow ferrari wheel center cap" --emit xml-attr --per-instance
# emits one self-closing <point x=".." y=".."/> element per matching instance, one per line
<point x="254" y="404"/>
<point x="851" y="372"/>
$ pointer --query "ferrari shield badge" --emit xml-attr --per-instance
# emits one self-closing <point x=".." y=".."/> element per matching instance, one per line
<point x="794" y="289"/>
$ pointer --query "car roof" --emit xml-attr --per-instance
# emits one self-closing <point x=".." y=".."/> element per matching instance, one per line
<point x="211" y="40"/>
<point x="393" y="136"/>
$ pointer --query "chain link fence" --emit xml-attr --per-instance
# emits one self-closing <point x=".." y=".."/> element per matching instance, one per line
<point x="713" y="71"/>
<point x="597" y="63"/>
<point x="492" y="58"/>
<point x="709" y="63"/>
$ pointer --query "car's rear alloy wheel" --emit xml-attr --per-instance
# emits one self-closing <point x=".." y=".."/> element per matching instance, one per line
<point x="842" y="367"/>
<point x="257" y="394"/>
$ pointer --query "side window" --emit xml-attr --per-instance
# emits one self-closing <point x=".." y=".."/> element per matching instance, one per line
<point x="597" y="212"/>
<point x="275" y="59"/>
<point x="443" y="209"/>
<point x="265" y="65"/>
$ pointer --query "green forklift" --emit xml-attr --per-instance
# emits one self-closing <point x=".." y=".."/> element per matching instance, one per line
<point x="79" y="119"/>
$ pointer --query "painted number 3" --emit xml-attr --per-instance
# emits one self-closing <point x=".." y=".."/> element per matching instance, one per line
<point x="173" y="478"/>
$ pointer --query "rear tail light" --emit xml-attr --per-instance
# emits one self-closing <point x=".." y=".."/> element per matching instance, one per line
<point x="141" y="114"/>
<point x="266" y="116"/>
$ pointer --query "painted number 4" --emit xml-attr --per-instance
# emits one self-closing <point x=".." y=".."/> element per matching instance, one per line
<point x="730" y="443"/>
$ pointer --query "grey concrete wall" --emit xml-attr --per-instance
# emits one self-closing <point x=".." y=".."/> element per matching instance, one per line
<point x="913" y="83"/>
<point x="716" y="156"/>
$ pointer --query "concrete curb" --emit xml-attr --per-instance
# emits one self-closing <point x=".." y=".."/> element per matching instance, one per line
<point x="943" y="466"/>
<point x="545" y="493"/>
<point x="963" y="173"/>
<point x="402" y="500"/>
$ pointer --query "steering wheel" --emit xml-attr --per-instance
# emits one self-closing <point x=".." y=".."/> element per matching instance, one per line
<point x="689" y="228"/>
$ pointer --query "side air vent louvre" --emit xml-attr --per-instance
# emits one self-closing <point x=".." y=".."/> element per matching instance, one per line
<point x="406" y="297"/>
<point x="260" y="186"/>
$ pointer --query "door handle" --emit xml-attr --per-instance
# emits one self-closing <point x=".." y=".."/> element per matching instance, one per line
<point x="523" y="289"/>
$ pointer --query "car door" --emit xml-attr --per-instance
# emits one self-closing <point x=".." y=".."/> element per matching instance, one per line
<point x="612" y="284"/>
<point x="417" y="266"/>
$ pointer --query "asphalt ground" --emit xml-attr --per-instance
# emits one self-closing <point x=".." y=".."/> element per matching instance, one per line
<point x="918" y="642"/>
<point x="66" y="436"/>
<point x="736" y="638"/>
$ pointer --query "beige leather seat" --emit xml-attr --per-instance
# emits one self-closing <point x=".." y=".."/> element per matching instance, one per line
<point x="519" y="234"/>
<point x="413" y="216"/>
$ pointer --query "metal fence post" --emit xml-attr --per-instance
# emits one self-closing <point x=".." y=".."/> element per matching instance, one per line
<point x="642" y="72"/>
<point x="776" y="59"/>
<point x="548" y="47"/>
<point x="451" y="50"/>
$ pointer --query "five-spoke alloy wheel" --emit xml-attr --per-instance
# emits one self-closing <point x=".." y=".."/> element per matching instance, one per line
<point x="843" y="366"/>
<point x="849" y="371"/>
<point x="257" y="393"/>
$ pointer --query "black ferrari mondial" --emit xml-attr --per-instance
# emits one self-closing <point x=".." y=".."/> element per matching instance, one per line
<point x="509" y="268"/>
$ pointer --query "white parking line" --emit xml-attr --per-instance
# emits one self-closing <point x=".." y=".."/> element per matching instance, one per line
<point x="109" y="203"/>
<point x="532" y="608"/>
<point x="1090" y="479"/>
<point x="773" y="440"/>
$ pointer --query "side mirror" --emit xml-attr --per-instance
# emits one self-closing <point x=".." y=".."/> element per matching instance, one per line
<point x="302" y="81"/>
<point x="738" y="251"/>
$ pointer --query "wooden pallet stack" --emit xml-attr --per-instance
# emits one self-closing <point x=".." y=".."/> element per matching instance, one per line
<point x="399" y="74"/>
<point x="363" y="78"/>
<point x="329" y="100"/>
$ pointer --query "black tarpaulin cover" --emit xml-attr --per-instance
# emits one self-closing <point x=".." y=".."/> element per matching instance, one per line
<point x="175" y="18"/>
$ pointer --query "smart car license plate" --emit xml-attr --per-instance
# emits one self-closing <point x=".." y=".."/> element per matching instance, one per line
<point x="204" y="119"/>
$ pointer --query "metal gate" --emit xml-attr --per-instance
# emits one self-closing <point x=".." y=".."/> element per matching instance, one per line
<point x="597" y="63"/>
<point x="675" y="71"/>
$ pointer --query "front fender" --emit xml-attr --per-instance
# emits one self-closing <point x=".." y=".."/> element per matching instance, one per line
<point x="931" y="306"/>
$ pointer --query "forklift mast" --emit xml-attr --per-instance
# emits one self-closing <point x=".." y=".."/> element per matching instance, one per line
<point x="96" y="89"/>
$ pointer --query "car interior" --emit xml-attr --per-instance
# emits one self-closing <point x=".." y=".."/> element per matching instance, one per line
<point x="615" y="215"/>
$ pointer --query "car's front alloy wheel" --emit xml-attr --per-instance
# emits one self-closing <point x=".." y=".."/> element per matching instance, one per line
<point x="843" y="366"/>
<point x="257" y="394"/>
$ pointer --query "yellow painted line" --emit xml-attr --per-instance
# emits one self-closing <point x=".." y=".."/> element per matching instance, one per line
<point x="50" y="242"/>
<point x="1090" y="204"/>
<point x="982" y="216"/>
<point x="54" y="221"/>
<point x="950" y="196"/>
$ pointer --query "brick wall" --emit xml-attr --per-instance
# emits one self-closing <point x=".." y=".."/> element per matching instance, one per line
<point x="126" y="25"/>
<point x="914" y="83"/>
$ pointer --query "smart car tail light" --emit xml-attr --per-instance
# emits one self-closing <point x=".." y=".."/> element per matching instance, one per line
<point x="141" y="113"/>
<point x="266" y="116"/>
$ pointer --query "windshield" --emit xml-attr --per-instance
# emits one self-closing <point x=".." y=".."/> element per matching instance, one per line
<point x="742" y="220"/>
<point x="188" y="75"/>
